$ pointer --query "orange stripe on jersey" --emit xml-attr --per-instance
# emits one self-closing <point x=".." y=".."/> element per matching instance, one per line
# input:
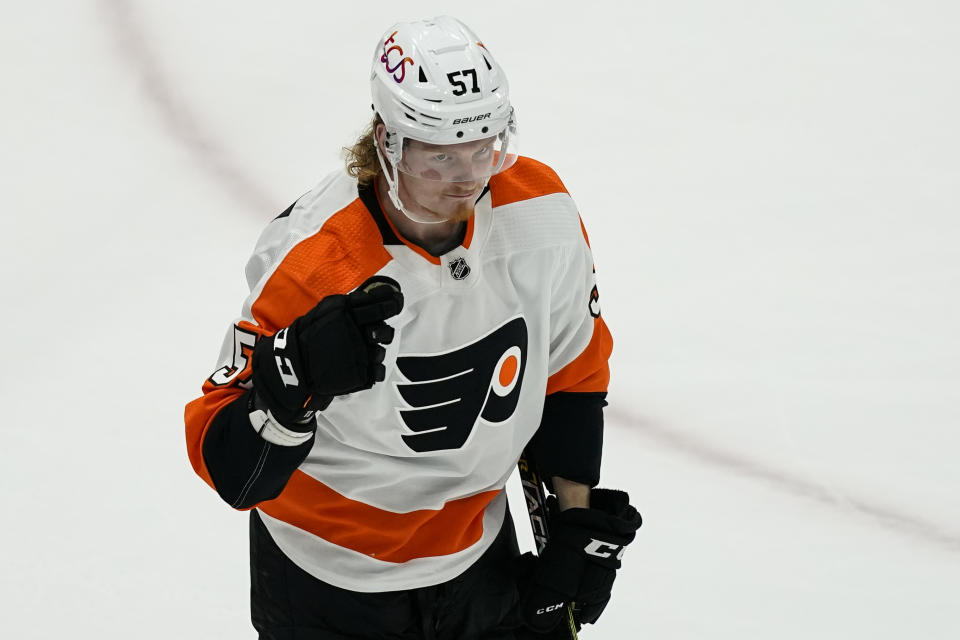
<point x="198" y="415"/>
<point x="337" y="259"/>
<point x="589" y="371"/>
<point x="308" y="504"/>
<point x="524" y="180"/>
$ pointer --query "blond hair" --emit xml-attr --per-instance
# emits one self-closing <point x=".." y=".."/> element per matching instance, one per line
<point x="361" y="158"/>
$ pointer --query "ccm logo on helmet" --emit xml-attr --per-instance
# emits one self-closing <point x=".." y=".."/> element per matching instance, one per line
<point x="603" y="549"/>
<point x="473" y="119"/>
<point x="385" y="59"/>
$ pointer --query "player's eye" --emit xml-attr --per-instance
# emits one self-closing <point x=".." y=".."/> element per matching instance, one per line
<point x="482" y="152"/>
<point x="440" y="157"/>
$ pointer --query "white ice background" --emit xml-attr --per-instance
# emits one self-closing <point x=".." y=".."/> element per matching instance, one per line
<point x="772" y="191"/>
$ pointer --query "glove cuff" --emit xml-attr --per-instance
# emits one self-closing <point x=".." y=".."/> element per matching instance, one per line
<point x="273" y="432"/>
<point x="610" y="512"/>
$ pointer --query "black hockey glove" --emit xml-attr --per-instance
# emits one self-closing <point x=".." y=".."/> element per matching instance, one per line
<point x="580" y="560"/>
<point x="334" y="349"/>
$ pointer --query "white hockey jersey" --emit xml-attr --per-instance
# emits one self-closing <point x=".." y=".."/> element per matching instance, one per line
<point x="403" y="486"/>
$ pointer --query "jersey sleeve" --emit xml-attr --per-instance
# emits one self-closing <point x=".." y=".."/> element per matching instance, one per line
<point x="569" y="442"/>
<point x="224" y="447"/>
<point x="580" y="343"/>
<point x="289" y="273"/>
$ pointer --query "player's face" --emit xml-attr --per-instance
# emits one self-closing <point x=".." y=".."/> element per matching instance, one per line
<point x="439" y="200"/>
<point x="445" y="180"/>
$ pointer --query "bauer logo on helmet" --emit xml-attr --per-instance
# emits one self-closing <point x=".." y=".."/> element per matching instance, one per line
<point x="473" y="119"/>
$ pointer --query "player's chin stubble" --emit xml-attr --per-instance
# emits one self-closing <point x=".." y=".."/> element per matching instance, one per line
<point x="459" y="212"/>
<point x="463" y="212"/>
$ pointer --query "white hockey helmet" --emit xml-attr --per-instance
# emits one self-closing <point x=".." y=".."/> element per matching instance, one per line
<point x="435" y="82"/>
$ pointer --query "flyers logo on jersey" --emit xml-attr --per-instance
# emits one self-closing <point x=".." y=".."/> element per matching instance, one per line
<point x="449" y="393"/>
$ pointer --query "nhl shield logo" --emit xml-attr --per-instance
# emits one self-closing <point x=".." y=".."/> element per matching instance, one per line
<point x="459" y="268"/>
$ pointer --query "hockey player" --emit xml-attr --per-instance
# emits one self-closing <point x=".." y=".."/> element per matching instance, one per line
<point x="412" y="324"/>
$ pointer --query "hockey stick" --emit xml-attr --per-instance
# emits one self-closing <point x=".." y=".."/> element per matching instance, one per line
<point x="535" y="494"/>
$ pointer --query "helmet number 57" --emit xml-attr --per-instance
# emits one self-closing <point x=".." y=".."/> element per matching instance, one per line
<point x="460" y="86"/>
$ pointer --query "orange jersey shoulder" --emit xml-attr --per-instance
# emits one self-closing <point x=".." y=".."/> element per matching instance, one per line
<point x="344" y="252"/>
<point x="526" y="179"/>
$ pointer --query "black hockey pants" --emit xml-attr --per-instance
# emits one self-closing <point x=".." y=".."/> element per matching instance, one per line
<point x="287" y="603"/>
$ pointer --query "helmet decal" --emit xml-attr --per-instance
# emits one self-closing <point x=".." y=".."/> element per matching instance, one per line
<point x="385" y="59"/>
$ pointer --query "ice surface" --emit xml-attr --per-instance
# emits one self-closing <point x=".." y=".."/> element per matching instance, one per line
<point x="772" y="190"/>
